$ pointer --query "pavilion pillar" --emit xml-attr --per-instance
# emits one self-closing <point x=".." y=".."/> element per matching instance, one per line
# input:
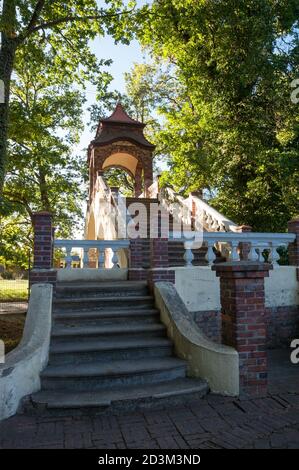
<point x="138" y="181"/>
<point x="148" y="175"/>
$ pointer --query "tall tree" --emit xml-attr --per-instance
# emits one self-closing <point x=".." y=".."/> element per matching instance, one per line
<point x="63" y="26"/>
<point x="43" y="171"/>
<point x="235" y="130"/>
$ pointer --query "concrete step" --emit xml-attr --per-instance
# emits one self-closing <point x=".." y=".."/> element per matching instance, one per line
<point x="94" y="289"/>
<point x="96" y="376"/>
<point x="105" y="316"/>
<point x="104" y="302"/>
<point x="114" y="332"/>
<point x="129" y="398"/>
<point x="123" y="349"/>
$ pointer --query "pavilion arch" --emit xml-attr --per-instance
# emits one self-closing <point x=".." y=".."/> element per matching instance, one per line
<point x="123" y="161"/>
<point x="120" y="143"/>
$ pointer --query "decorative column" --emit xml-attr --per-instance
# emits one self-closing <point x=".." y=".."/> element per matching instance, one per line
<point x="244" y="320"/>
<point x="42" y="271"/>
<point x="293" y="227"/>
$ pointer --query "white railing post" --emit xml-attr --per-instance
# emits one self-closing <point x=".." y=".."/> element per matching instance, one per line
<point x="234" y="256"/>
<point x="114" y="258"/>
<point x="68" y="258"/>
<point x="188" y="255"/>
<point x="210" y="256"/>
<point x="101" y="258"/>
<point x="253" y="255"/>
<point x="274" y="254"/>
<point x="85" y="257"/>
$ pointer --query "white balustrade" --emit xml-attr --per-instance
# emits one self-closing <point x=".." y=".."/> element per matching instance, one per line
<point x="259" y="244"/>
<point x="83" y="246"/>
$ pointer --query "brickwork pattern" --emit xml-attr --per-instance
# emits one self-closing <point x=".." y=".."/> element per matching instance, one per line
<point x="293" y="227"/>
<point x="214" y="422"/>
<point x="210" y="324"/>
<point x="244" y="320"/>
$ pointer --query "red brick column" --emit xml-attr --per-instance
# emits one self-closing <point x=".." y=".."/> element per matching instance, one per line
<point x="136" y="271"/>
<point x="293" y="227"/>
<point x="159" y="263"/>
<point x="42" y="271"/>
<point x="244" y="320"/>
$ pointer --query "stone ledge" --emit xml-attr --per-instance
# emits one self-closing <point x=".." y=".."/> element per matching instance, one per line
<point x="19" y="375"/>
<point x="218" y="364"/>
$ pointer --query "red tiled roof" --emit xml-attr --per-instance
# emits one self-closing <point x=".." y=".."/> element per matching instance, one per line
<point x="119" y="115"/>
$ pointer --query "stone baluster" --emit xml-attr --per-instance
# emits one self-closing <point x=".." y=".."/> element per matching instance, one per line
<point x="188" y="255"/>
<point x="234" y="255"/>
<point x="210" y="256"/>
<point x="114" y="258"/>
<point x="85" y="257"/>
<point x="68" y="258"/>
<point x="101" y="258"/>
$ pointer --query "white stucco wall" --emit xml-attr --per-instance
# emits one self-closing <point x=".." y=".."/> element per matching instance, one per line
<point x="199" y="288"/>
<point x="282" y="287"/>
<point x="216" y="363"/>
<point x="19" y="375"/>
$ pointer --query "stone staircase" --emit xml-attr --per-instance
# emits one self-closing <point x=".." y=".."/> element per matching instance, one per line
<point x="109" y="350"/>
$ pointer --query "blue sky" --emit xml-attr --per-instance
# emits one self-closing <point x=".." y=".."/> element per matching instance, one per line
<point x="123" y="59"/>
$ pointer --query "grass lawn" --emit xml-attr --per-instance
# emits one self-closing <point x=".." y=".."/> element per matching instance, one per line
<point x="11" y="330"/>
<point x="13" y="290"/>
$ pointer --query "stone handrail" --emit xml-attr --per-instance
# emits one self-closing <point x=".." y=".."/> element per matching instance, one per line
<point x="19" y="375"/>
<point x="176" y="205"/>
<point x="256" y="243"/>
<point x="205" y="216"/>
<point x="101" y="246"/>
<point x="216" y="363"/>
<point x="211" y="220"/>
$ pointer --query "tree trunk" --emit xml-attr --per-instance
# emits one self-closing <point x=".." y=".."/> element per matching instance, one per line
<point x="7" y="57"/>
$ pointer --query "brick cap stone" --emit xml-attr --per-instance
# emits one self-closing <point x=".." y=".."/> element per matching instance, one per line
<point x="43" y="270"/>
<point x="295" y="220"/>
<point x="242" y="269"/>
<point x="42" y="213"/>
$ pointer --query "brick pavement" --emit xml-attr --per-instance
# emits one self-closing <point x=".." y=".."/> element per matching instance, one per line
<point x="213" y="423"/>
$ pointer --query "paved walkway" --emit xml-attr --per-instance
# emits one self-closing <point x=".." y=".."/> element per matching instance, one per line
<point x="213" y="423"/>
<point x="9" y="308"/>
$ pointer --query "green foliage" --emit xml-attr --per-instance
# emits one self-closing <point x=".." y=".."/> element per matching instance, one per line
<point x="63" y="29"/>
<point x="232" y="129"/>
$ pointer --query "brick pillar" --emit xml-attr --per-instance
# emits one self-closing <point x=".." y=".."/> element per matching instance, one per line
<point x="243" y="246"/>
<point x="138" y="181"/>
<point x="42" y="271"/>
<point x="136" y="271"/>
<point x="244" y="320"/>
<point x="148" y="175"/>
<point x="159" y="263"/>
<point x="293" y="227"/>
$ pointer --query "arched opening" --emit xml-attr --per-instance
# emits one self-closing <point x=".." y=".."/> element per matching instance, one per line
<point x="121" y="178"/>
<point x="122" y="160"/>
<point x="125" y="172"/>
